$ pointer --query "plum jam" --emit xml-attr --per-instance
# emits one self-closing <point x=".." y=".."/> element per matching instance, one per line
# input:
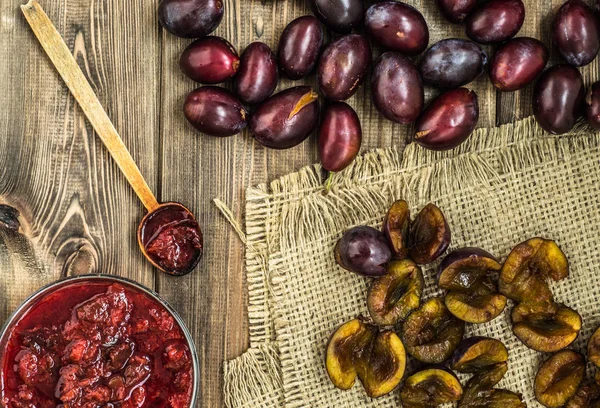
<point x="172" y="238"/>
<point x="96" y="344"/>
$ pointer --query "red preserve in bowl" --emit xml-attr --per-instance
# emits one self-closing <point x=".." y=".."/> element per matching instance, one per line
<point x="96" y="342"/>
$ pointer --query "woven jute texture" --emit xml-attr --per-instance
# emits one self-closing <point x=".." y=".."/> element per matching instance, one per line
<point x="503" y="186"/>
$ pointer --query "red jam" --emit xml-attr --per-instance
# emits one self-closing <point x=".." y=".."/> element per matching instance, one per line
<point x="172" y="238"/>
<point x="97" y="344"/>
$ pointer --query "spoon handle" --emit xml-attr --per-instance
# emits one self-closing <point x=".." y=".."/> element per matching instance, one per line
<point x="70" y="72"/>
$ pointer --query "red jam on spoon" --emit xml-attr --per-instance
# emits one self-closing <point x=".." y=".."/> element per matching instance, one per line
<point x="96" y="344"/>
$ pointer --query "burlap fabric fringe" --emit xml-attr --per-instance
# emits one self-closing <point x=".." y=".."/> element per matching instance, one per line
<point x="503" y="186"/>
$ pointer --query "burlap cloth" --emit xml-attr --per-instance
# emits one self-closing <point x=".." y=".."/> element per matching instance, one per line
<point x="503" y="186"/>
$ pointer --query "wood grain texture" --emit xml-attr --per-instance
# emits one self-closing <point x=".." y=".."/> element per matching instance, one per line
<point x="77" y="209"/>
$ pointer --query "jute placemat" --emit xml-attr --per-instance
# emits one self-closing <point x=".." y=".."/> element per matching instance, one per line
<point x="503" y="186"/>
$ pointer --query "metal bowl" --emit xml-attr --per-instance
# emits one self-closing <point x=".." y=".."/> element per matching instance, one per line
<point x="16" y="316"/>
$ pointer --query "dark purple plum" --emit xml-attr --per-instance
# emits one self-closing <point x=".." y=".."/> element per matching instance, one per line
<point x="363" y="250"/>
<point x="452" y="63"/>
<point x="517" y="63"/>
<point x="397" y="27"/>
<point x="339" y="15"/>
<point x="576" y="33"/>
<point x="449" y="120"/>
<point x="340" y="136"/>
<point x="257" y="75"/>
<point x="343" y="66"/>
<point x="286" y="119"/>
<point x="456" y="11"/>
<point x="592" y="108"/>
<point x="558" y="99"/>
<point x="210" y="60"/>
<point x="190" y="18"/>
<point x="495" y="21"/>
<point x="215" y="111"/>
<point x="300" y="46"/>
<point x="397" y="88"/>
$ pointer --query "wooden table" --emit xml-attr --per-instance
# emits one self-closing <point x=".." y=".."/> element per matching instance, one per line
<point x="78" y="215"/>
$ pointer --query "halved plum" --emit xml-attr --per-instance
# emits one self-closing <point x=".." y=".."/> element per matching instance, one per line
<point x="476" y="354"/>
<point x="558" y="378"/>
<point x="482" y="304"/>
<point x="586" y="396"/>
<point x="431" y="333"/>
<point x="396" y="227"/>
<point x="431" y="387"/>
<point x="594" y="352"/>
<point x="528" y="268"/>
<point x="545" y="326"/>
<point x="363" y="250"/>
<point x="357" y="349"/>
<point x="393" y="296"/>
<point x="463" y="267"/>
<point x="429" y="235"/>
<point x="479" y="391"/>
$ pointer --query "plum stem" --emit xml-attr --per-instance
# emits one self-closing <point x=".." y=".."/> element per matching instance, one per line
<point x="328" y="182"/>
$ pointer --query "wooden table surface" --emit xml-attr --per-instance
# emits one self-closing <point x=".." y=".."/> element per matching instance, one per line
<point x="78" y="215"/>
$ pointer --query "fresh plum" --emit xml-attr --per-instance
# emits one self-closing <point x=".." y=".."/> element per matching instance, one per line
<point x="449" y="120"/>
<point x="456" y="11"/>
<point x="190" y="18"/>
<point x="300" y="47"/>
<point x="286" y="119"/>
<point x="340" y="136"/>
<point x="397" y="27"/>
<point x="215" y="111"/>
<point x="517" y="63"/>
<point x="343" y="66"/>
<point x="576" y="33"/>
<point x="495" y="21"/>
<point x="558" y="99"/>
<point x="363" y="250"/>
<point x="397" y="88"/>
<point x="452" y="63"/>
<point x="592" y="106"/>
<point x="257" y="76"/>
<point x="340" y="15"/>
<point x="210" y="60"/>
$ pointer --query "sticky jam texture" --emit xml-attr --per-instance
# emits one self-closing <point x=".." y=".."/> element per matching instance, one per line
<point x="97" y="345"/>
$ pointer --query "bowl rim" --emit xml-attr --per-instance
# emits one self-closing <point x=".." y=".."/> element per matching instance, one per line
<point x="22" y="309"/>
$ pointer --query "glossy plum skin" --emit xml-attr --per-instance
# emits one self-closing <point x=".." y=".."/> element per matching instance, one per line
<point x="397" y="88"/>
<point x="592" y="106"/>
<point x="257" y="75"/>
<point x="300" y="46"/>
<point x="286" y="119"/>
<point x="363" y="250"/>
<point x="456" y="11"/>
<point x="340" y="136"/>
<point x="449" y="120"/>
<point x="215" y="111"/>
<point x="341" y="15"/>
<point x="576" y="33"/>
<point x="517" y="63"/>
<point x="558" y="99"/>
<point x="343" y="66"/>
<point x="495" y="21"/>
<point x="452" y="63"/>
<point x="397" y="27"/>
<point x="210" y="60"/>
<point x="190" y="18"/>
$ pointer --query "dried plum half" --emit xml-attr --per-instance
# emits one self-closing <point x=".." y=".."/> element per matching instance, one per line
<point x="558" y="378"/>
<point x="429" y="235"/>
<point x="357" y="349"/>
<point x="594" y="352"/>
<point x="431" y="387"/>
<point x="431" y="333"/>
<point x="528" y="268"/>
<point x="393" y="296"/>
<point x="396" y="226"/>
<point x="479" y="391"/>
<point x="545" y="326"/>
<point x="470" y="276"/>
<point x="586" y="396"/>
<point x="477" y="354"/>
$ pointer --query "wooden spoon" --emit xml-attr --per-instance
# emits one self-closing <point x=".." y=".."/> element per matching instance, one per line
<point x="169" y="234"/>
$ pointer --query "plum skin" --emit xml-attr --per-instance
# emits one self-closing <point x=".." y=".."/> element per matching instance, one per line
<point x="495" y="21"/>
<point x="215" y="111"/>
<point x="558" y="99"/>
<point x="517" y="63"/>
<point x="300" y="46"/>
<point x="592" y="106"/>
<point x="190" y="18"/>
<point x="456" y="11"/>
<point x="576" y="33"/>
<point x="257" y="75"/>
<point x="340" y="136"/>
<point x="209" y="60"/>
<point x="363" y="250"/>
<point x="341" y="16"/>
